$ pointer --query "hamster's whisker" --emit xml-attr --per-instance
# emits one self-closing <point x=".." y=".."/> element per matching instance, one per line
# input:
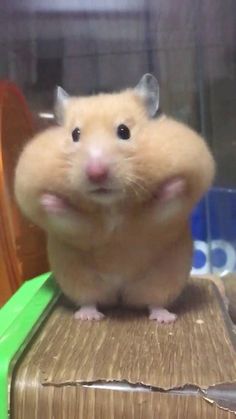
<point x="137" y="181"/>
<point x="136" y="186"/>
<point x="135" y="190"/>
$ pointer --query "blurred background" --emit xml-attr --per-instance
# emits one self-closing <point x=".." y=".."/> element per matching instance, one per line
<point x="91" y="46"/>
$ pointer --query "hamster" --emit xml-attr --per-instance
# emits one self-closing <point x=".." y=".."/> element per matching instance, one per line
<point x="114" y="187"/>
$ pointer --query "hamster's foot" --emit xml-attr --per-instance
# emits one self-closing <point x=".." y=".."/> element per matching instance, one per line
<point x="161" y="315"/>
<point x="88" y="313"/>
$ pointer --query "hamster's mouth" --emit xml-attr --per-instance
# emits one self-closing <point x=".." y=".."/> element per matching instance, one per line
<point x="104" y="195"/>
<point x="101" y="191"/>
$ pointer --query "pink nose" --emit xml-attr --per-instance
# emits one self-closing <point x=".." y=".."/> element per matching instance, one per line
<point x="97" y="172"/>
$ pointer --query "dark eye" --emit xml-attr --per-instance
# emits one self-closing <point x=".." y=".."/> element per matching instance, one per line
<point x="75" y="134"/>
<point x="123" y="132"/>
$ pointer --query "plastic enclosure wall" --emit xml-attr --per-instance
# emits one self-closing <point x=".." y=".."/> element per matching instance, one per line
<point x="19" y="320"/>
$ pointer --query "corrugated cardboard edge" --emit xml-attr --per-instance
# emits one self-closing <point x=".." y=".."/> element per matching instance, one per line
<point x="222" y="395"/>
<point x="213" y="394"/>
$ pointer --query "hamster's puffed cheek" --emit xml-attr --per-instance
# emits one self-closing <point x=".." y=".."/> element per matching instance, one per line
<point x="169" y="150"/>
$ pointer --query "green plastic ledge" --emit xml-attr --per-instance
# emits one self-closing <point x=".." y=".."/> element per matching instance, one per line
<point x="20" y="317"/>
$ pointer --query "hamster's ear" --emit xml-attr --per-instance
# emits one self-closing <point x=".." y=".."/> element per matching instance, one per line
<point x="61" y="99"/>
<point x="148" y="90"/>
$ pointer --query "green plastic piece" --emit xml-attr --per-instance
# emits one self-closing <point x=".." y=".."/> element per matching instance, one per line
<point x="19" y="320"/>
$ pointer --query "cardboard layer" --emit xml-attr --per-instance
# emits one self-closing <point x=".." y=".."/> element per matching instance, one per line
<point x="195" y="353"/>
<point x="83" y="403"/>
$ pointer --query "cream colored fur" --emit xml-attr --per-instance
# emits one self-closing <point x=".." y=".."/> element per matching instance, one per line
<point x="128" y="245"/>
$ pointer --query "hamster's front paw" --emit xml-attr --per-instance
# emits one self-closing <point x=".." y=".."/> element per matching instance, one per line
<point x="161" y="315"/>
<point x="172" y="189"/>
<point x="52" y="204"/>
<point x="88" y="313"/>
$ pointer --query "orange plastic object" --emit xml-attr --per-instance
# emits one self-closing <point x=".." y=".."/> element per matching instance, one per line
<point x="22" y="245"/>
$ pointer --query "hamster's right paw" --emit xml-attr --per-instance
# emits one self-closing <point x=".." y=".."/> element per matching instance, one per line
<point x="88" y="313"/>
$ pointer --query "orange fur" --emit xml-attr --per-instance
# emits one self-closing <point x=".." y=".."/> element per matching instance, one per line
<point x="129" y="245"/>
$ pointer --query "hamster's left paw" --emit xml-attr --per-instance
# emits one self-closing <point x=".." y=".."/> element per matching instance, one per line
<point x="88" y="313"/>
<point x="161" y="315"/>
<point x="172" y="189"/>
<point x="52" y="204"/>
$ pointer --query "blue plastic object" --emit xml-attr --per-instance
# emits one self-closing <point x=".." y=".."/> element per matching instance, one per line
<point x="213" y="224"/>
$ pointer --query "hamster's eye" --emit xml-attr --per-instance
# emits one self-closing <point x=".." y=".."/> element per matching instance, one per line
<point x="123" y="132"/>
<point x="75" y="134"/>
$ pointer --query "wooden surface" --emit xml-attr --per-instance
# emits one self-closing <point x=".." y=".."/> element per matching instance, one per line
<point x="230" y="291"/>
<point x="22" y="245"/>
<point x="127" y="347"/>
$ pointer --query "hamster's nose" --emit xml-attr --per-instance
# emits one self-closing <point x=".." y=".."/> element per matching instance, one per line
<point x="97" y="172"/>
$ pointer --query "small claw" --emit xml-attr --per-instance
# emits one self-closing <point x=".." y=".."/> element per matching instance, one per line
<point x="88" y="313"/>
